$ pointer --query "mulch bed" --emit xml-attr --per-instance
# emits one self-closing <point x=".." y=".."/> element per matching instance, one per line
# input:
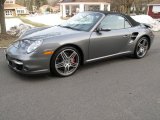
<point x="6" y="39"/>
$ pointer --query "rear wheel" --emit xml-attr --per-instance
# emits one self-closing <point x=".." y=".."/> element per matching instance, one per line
<point x="65" y="61"/>
<point x="141" y="48"/>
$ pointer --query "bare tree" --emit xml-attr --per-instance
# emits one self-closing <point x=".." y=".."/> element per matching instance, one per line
<point x="2" y="17"/>
<point x="126" y="5"/>
<point x="52" y="2"/>
<point x="140" y="5"/>
<point x="122" y="6"/>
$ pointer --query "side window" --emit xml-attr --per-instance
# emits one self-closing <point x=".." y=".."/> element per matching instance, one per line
<point x="114" y="22"/>
<point x="127" y="25"/>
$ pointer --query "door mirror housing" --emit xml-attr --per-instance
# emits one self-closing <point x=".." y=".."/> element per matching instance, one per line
<point x="106" y="29"/>
<point x="98" y="29"/>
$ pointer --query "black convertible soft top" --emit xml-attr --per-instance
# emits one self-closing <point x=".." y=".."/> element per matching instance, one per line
<point x="131" y="20"/>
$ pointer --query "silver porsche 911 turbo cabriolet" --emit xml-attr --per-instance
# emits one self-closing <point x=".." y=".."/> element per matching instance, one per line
<point x="86" y="37"/>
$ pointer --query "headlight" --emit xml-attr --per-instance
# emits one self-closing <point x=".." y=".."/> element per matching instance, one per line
<point x="34" y="46"/>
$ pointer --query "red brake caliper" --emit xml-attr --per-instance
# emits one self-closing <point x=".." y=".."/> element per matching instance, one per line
<point x="73" y="60"/>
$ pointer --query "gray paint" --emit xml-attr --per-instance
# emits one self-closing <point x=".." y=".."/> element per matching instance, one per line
<point x="93" y="45"/>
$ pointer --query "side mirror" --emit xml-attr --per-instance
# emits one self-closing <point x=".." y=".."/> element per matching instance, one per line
<point x="106" y="30"/>
<point x="98" y="29"/>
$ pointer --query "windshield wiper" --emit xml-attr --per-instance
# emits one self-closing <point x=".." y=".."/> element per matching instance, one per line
<point x="69" y="27"/>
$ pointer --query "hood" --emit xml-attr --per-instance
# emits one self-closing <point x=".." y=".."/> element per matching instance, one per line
<point x="48" y="32"/>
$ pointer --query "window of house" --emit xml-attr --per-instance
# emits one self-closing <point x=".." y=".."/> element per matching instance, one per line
<point x="156" y="9"/>
<point x="20" y="11"/>
<point x="9" y="1"/>
<point x="8" y="13"/>
<point x="106" y="8"/>
<point x="114" y="22"/>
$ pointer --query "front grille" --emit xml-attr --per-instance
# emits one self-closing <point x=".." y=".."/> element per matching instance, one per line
<point x="14" y="63"/>
<point x="19" y="67"/>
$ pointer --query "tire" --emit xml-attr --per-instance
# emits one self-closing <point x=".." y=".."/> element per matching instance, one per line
<point x="65" y="61"/>
<point x="141" y="48"/>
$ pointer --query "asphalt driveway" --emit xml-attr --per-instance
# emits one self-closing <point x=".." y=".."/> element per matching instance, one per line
<point x="119" y="88"/>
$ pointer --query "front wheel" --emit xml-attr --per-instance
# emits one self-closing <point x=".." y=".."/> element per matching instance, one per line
<point x="141" y="48"/>
<point x="65" y="61"/>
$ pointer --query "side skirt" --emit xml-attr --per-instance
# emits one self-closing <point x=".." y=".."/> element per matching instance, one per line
<point x="121" y="53"/>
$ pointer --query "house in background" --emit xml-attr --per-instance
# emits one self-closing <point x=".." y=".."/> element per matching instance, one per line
<point x="12" y="9"/>
<point x="45" y="9"/>
<point x="71" y="7"/>
<point x="56" y="8"/>
<point x="154" y="9"/>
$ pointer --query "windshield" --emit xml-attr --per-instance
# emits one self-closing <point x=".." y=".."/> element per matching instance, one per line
<point x="82" y="21"/>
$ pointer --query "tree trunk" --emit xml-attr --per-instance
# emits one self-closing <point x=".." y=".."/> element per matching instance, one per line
<point x="128" y="10"/>
<point x="30" y="5"/>
<point x="2" y="18"/>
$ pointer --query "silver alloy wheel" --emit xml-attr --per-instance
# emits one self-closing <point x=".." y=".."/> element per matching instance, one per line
<point x="142" y="47"/>
<point x="67" y="62"/>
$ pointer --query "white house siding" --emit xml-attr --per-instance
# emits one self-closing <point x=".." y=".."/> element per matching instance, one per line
<point x="66" y="8"/>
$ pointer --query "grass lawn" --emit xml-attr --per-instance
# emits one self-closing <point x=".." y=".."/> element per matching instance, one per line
<point x="35" y="24"/>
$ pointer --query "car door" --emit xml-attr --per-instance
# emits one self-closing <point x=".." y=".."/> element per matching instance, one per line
<point x="112" y="38"/>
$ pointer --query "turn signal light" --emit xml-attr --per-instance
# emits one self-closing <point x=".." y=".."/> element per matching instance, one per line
<point x="48" y="52"/>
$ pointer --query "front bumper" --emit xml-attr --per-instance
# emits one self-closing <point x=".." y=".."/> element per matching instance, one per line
<point x="27" y="63"/>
